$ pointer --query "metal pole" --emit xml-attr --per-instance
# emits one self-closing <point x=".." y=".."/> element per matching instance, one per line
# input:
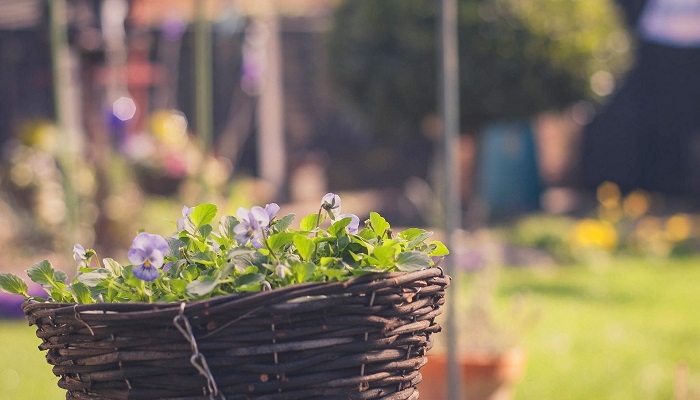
<point x="203" y="76"/>
<point x="271" y="152"/>
<point x="64" y="109"/>
<point x="449" y="107"/>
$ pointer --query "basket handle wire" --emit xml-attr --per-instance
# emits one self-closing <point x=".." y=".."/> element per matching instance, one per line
<point x="197" y="360"/>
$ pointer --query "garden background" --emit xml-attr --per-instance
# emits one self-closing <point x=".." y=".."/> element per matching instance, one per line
<point x="115" y="113"/>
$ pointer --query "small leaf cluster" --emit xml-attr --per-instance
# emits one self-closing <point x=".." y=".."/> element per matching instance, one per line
<point x="205" y="261"/>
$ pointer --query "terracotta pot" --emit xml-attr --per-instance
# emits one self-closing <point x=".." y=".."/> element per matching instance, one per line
<point x="484" y="376"/>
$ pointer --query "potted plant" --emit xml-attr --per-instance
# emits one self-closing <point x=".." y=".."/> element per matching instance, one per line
<point x="489" y="355"/>
<point x="252" y="310"/>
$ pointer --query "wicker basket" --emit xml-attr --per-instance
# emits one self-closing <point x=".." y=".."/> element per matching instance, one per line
<point x="365" y="338"/>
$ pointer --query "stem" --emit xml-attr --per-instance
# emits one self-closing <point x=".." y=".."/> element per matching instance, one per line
<point x="150" y="291"/>
<point x="318" y="219"/>
<point x="185" y="255"/>
<point x="267" y="246"/>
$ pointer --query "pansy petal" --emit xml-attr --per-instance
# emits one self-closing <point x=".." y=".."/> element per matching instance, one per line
<point x="354" y="224"/>
<point x="145" y="273"/>
<point x="241" y="229"/>
<point x="272" y="209"/>
<point x="167" y="266"/>
<point x="156" y="259"/>
<point x="261" y="216"/>
<point x="180" y="224"/>
<point x="160" y="244"/>
<point x="242" y="214"/>
<point x="256" y="242"/>
<point x="137" y="256"/>
<point x="242" y="238"/>
<point x="142" y="241"/>
<point x="79" y="253"/>
<point x="331" y="200"/>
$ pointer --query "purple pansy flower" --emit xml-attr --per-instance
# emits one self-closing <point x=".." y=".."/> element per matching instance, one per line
<point x="272" y="209"/>
<point x="80" y="255"/>
<point x="354" y="224"/>
<point x="331" y="203"/>
<point x="184" y="222"/>
<point x="251" y="225"/>
<point x="147" y="253"/>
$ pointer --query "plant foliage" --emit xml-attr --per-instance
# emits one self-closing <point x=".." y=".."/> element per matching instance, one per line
<point x="250" y="252"/>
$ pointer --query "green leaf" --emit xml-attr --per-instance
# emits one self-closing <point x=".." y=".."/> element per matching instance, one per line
<point x="81" y="293"/>
<point x="203" y="285"/>
<point x="13" y="284"/>
<point x="205" y="230"/>
<point x="113" y="267"/>
<point x="204" y="257"/>
<point x="226" y="225"/>
<point x="438" y="249"/>
<point x="242" y="257"/>
<point x="251" y="270"/>
<point x="190" y="272"/>
<point x="303" y="271"/>
<point x="339" y="226"/>
<point x="60" y="276"/>
<point x="94" y="278"/>
<point x="174" y="244"/>
<point x="249" y="282"/>
<point x="176" y="268"/>
<point x="200" y="245"/>
<point x="415" y="236"/>
<point x="305" y="247"/>
<point x="59" y="293"/>
<point x="101" y="289"/>
<point x="309" y="223"/>
<point x="131" y="281"/>
<point x="42" y="273"/>
<point x="169" y="298"/>
<point x="325" y="261"/>
<point x="203" y="214"/>
<point x="411" y="233"/>
<point x="178" y="285"/>
<point x="367" y="234"/>
<point x="378" y="223"/>
<point x="226" y="269"/>
<point x="412" y="261"/>
<point x="334" y="274"/>
<point x="285" y="222"/>
<point x="279" y="240"/>
<point x="385" y="255"/>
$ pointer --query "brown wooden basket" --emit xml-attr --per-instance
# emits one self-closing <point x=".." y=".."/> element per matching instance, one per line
<point x="365" y="338"/>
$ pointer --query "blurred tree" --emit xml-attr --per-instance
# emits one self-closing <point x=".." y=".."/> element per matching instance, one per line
<point x="517" y="58"/>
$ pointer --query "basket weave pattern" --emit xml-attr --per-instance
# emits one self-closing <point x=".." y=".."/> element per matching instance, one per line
<point x="365" y="338"/>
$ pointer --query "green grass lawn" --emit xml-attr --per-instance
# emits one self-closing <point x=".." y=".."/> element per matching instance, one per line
<point x="617" y="331"/>
<point x="620" y="331"/>
<point x="24" y="373"/>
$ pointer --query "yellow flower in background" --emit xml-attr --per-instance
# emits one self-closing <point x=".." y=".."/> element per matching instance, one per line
<point x="608" y="195"/>
<point x="169" y="127"/>
<point x="595" y="234"/>
<point x="39" y="134"/>
<point x="679" y="227"/>
<point x="636" y="204"/>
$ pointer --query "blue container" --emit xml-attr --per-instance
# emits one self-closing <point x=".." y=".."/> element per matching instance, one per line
<point x="507" y="171"/>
